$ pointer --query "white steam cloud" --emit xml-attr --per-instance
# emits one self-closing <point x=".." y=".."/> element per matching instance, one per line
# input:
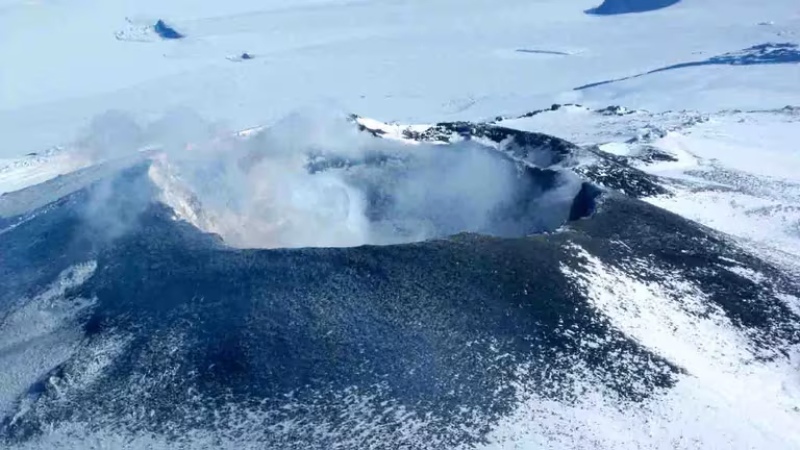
<point x="314" y="180"/>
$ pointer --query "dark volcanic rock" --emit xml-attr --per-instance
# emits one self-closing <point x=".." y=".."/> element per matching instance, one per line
<point x="611" y="7"/>
<point x="165" y="31"/>
<point x="542" y="150"/>
<point x="615" y="172"/>
<point x="319" y="348"/>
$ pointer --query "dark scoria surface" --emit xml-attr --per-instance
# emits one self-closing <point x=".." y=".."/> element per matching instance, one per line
<point x="317" y="348"/>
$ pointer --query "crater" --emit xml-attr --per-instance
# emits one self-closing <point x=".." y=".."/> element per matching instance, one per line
<point x="376" y="193"/>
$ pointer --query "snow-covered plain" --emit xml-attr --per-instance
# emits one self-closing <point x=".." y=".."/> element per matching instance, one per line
<point x="410" y="61"/>
<point x="733" y="142"/>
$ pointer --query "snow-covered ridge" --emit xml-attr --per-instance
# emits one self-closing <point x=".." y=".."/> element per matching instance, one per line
<point x="735" y="171"/>
<point x="19" y="173"/>
<point x="404" y="133"/>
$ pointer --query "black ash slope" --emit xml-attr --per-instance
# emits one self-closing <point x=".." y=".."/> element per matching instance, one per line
<point x="318" y="348"/>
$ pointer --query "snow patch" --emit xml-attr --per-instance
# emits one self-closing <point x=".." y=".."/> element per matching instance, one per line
<point x="19" y="173"/>
<point x="727" y="399"/>
<point x="39" y="333"/>
<point x="616" y="148"/>
<point x="395" y="132"/>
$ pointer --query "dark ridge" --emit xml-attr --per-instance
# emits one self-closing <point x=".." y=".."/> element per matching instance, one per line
<point x="615" y="172"/>
<point x="650" y="154"/>
<point x="375" y="132"/>
<point x="539" y="149"/>
<point x="554" y="107"/>
<point x="541" y="52"/>
<point x="610" y="171"/>
<point x="613" y="7"/>
<point x="769" y="53"/>
<point x="165" y="31"/>
<point x="614" y="110"/>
